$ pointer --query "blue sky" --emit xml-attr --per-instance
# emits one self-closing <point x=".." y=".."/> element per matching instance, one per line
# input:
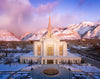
<point x="21" y="16"/>
<point x="88" y="8"/>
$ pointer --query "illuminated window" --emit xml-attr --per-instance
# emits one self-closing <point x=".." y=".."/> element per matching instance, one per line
<point x="61" y="50"/>
<point x="50" y="51"/>
<point x="39" y="50"/>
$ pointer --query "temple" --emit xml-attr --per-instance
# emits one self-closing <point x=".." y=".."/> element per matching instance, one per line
<point x="50" y="50"/>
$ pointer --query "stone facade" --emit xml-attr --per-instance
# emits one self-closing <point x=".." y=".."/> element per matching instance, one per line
<point x="46" y="43"/>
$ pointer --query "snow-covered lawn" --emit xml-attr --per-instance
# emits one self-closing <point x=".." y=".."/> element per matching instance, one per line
<point x="3" y="76"/>
<point x="23" y="54"/>
<point x="73" y="54"/>
<point x="33" y="66"/>
<point x="30" y="54"/>
<point x="96" y="77"/>
<point x="71" y="67"/>
<point x="12" y="67"/>
<point x="86" y="68"/>
<point x="15" y="54"/>
<point x="76" y="47"/>
<point x="19" y="75"/>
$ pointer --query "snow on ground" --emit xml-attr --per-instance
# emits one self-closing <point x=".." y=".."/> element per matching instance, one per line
<point x="96" y="77"/>
<point x="20" y="54"/>
<point x="3" y="76"/>
<point x="33" y="66"/>
<point x="19" y="75"/>
<point x="80" y="47"/>
<point x="86" y="68"/>
<point x="71" y="67"/>
<point x="30" y="54"/>
<point x="15" y="54"/>
<point x="73" y="54"/>
<point x="12" y="67"/>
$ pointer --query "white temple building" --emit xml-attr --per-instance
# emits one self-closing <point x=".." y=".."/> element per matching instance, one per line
<point x="50" y="50"/>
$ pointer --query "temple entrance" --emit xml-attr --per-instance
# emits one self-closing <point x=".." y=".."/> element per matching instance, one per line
<point x="50" y="62"/>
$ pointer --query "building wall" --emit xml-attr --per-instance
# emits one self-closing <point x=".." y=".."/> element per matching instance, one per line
<point x="58" y="59"/>
<point x="50" y="43"/>
<point x="35" y="47"/>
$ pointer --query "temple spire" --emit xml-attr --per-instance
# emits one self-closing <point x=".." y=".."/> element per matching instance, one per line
<point x="49" y="27"/>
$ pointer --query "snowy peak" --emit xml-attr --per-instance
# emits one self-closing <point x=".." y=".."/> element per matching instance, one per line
<point x="84" y="29"/>
<point x="62" y="33"/>
<point x="68" y="35"/>
<point x="87" y="30"/>
<point x="26" y="36"/>
<point x="5" y="35"/>
<point x="87" y="23"/>
<point x="95" y="33"/>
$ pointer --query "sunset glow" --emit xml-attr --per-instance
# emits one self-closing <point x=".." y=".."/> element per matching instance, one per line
<point x="21" y="16"/>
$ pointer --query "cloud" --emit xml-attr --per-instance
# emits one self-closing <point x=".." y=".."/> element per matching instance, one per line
<point x="42" y="9"/>
<point x="5" y="20"/>
<point x="13" y="14"/>
<point x="19" y="16"/>
<point x="98" y="20"/>
<point x="63" y="19"/>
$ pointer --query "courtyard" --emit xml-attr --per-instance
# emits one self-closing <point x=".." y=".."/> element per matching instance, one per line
<point x="63" y="73"/>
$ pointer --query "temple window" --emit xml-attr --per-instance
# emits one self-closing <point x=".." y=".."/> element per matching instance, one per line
<point x="61" y="50"/>
<point x="49" y="51"/>
<point x="38" y="50"/>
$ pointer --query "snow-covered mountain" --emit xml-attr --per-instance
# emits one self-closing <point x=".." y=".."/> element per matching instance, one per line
<point x="7" y="36"/>
<point x="83" y="27"/>
<point x="86" y="30"/>
<point x="95" y="33"/>
<point x="62" y="33"/>
<point x="26" y="36"/>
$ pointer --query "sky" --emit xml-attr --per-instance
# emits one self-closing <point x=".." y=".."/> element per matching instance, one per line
<point x="22" y="16"/>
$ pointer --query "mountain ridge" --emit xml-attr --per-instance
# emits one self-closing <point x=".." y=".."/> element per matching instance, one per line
<point x="73" y="31"/>
<point x="83" y="30"/>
